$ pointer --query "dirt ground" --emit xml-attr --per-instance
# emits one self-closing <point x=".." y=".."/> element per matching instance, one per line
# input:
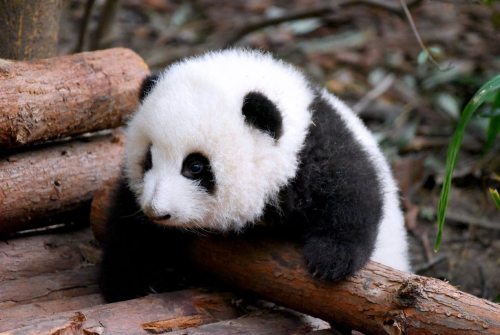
<point x="369" y="56"/>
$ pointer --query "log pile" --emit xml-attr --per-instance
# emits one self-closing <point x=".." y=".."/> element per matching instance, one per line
<point x="46" y="100"/>
<point x="48" y="169"/>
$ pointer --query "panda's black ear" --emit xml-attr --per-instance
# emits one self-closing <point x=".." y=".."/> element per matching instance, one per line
<point x="262" y="113"/>
<point x="147" y="85"/>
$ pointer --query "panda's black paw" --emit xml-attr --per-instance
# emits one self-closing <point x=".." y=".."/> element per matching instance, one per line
<point x="327" y="259"/>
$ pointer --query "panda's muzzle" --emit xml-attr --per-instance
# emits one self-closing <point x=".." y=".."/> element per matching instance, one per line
<point x="153" y="215"/>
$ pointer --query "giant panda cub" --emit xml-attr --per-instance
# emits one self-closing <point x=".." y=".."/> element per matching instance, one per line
<point x="225" y="139"/>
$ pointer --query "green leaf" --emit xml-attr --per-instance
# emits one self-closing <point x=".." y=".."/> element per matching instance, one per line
<point x="496" y="197"/>
<point x="451" y="159"/>
<point x="494" y="125"/>
<point x="422" y="57"/>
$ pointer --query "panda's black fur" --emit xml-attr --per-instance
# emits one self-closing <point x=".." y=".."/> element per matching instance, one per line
<point x="333" y="205"/>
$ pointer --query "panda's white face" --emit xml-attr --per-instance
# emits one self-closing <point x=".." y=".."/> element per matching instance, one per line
<point x="216" y="138"/>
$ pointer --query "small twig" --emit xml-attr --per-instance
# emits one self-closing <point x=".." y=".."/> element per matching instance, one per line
<point x="406" y="10"/>
<point x="430" y="264"/>
<point x="314" y="12"/>
<point x="106" y="20"/>
<point x="84" y="25"/>
<point x="379" y="89"/>
<point x="473" y="221"/>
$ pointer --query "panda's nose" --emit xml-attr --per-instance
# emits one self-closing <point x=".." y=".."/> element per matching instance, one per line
<point x="154" y="215"/>
<point x="163" y="217"/>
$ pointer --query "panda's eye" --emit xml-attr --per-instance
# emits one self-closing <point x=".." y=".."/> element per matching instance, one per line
<point x="197" y="167"/>
<point x="147" y="163"/>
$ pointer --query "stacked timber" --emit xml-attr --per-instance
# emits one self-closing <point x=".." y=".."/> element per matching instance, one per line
<point x="42" y="104"/>
<point x="59" y="159"/>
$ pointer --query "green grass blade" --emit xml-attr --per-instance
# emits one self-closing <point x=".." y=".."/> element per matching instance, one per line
<point x="494" y="124"/>
<point x="451" y="159"/>
<point x="496" y="197"/>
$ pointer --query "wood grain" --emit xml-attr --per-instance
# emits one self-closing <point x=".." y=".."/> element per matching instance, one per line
<point x="40" y="183"/>
<point x="136" y="316"/>
<point x="68" y="95"/>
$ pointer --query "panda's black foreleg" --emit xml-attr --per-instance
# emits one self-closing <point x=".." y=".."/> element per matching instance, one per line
<point x="328" y="258"/>
<point x="340" y="239"/>
<point x="136" y="253"/>
<point x="122" y="269"/>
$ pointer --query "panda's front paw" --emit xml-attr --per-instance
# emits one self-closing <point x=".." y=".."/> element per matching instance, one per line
<point x="330" y="260"/>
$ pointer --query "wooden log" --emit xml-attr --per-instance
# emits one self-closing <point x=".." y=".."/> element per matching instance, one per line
<point x="262" y="323"/>
<point x="67" y="95"/>
<point x="35" y="255"/>
<point x="30" y="29"/>
<point x="45" y="287"/>
<point x="377" y="300"/>
<point x="23" y="315"/>
<point x="40" y="183"/>
<point x="136" y="316"/>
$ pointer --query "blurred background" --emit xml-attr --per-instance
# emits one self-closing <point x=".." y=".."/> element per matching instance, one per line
<point x="368" y="53"/>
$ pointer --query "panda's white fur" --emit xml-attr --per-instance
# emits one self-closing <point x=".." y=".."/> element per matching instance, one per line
<point x="296" y="151"/>
<point x="190" y="111"/>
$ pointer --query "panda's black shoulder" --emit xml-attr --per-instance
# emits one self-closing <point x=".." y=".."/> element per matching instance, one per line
<point x="332" y="161"/>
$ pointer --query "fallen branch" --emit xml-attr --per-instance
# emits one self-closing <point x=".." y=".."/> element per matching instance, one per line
<point x="68" y="95"/>
<point x="60" y="178"/>
<point x="377" y="300"/>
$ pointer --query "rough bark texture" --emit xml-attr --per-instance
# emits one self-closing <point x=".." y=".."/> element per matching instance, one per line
<point x="30" y="29"/>
<point x="68" y="95"/>
<point x="377" y="300"/>
<point x="137" y="316"/>
<point x="54" y="179"/>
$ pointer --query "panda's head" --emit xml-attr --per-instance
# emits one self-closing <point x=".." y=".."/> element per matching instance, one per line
<point x="215" y="138"/>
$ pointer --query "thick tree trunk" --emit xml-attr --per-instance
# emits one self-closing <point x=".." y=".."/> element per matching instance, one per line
<point x="377" y="300"/>
<point x="29" y="29"/>
<point x="68" y="95"/>
<point x="38" y="184"/>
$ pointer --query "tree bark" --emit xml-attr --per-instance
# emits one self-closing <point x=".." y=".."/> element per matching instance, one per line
<point x="38" y="184"/>
<point x="69" y="95"/>
<point x="377" y="300"/>
<point x="29" y="29"/>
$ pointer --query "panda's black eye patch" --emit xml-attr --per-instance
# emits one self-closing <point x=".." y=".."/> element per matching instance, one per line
<point x="262" y="113"/>
<point x="197" y="167"/>
<point x="147" y="163"/>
